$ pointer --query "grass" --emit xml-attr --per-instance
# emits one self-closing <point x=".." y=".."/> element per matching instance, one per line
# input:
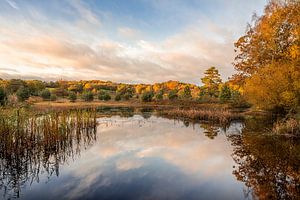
<point x="215" y="115"/>
<point x="33" y="143"/>
<point x="289" y="127"/>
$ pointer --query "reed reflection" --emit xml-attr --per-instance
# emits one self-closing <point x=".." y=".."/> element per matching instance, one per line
<point x="33" y="144"/>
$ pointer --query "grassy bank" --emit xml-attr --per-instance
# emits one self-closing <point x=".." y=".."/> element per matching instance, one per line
<point x="216" y="115"/>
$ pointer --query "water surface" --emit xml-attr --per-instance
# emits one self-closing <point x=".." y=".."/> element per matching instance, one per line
<point x="150" y="157"/>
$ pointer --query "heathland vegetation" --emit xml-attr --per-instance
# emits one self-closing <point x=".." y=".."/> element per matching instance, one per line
<point x="267" y="77"/>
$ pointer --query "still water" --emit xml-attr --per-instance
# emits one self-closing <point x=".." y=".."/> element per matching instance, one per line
<point x="150" y="157"/>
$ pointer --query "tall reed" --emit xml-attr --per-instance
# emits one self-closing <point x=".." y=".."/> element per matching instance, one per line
<point x="35" y="142"/>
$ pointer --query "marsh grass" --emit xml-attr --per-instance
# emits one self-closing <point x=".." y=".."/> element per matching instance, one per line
<point x="34" y="143"/>
<point x="289" y="127"/>
<point x="214" y="115"/>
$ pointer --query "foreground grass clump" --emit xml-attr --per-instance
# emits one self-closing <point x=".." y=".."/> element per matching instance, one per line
<point x="33" y="143"/>
<point x="288" y="127"/>
<point x="216" y="115"/>
<point x="23" y="129"/>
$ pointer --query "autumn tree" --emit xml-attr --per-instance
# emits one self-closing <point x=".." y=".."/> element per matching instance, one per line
<point x="211" y="81"/>
<point x="225" y="93"/>
<point x="23" y="93"/>
<point x="3" y="96"/>
<point x="268" y="57"/>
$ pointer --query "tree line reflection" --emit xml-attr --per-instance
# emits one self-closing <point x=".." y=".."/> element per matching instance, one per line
<point x="268" y="165"/>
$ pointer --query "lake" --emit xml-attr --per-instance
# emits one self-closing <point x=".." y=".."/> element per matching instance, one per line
<point x="141" y="155"/>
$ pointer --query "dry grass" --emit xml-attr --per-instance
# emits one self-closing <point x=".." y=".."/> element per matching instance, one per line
<point x="288" y="127"/>
<point x="215" y="115"/>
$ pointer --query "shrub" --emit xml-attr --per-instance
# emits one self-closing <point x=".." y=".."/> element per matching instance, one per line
<point x="53" y="97"/>
<point x="72" y="96"/>
<point x="88" y="96"/>
<point x="225" y="94"/>
<point x="172" y="95"/>
<point x="159" y="95"/>
<point x="23" y="94"/>
<point x="118" y="97"/>
<point x="147" y="96"/>
<point x="104" y="96"/>
<point x="45" y="94"/>
<point x="3" y="96"/>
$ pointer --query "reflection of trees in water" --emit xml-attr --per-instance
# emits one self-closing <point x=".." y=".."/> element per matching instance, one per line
<point x="210" y="130"/>
<point x="269" y="165"/>
<point x="41" y="145"/>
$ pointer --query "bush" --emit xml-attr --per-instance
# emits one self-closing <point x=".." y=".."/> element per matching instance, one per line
<point x="225" y="94"/>
<point x="88" y="96"/>
<point x="187" y="92"/>
<point x="104" y="96"/>
<point x="45" y="94"/>
<point x="172" y="95"/>
<point x="53" y="97"/>
<point x="23" y="94"/>
<point x="159" y="95"/>
<point x="3" y="96"/>
<point x="118" y="97"/>
<point x="72" y="97"/>
<point x="147" y="96"/>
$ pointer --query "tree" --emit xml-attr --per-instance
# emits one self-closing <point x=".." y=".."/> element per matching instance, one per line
<point x="35" y="86"/>
<point x="14" y="85"/>
<point x="159" y="95"/>
<point x="147" y="96"/>
<point x="23" y="94"/>
<point x="275" y="86"/>
<point x="118" y="97"/>
<point x="72" y="96"/>
<point x="172" y="95"/>
<point x="225" y="93"/>
<point x="45" y="94"/>
<point x="88" y="96"/>
<point x="268" y="62"/>
<point x="104" y="96"/>
<point x="3" y="96"/>
<point x="187" y="92"/>
<point x="273" y="37"/>
<point x="53" y="97"/>
<point x="211" y="81"/>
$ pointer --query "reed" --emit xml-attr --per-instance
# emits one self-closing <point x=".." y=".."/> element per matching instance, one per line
<point x="214" y="115"/>
<point x="34" y="142"/>
<point x="289" y="127"/>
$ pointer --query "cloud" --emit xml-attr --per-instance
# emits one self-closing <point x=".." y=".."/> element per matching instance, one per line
<point x="85" y="12"/>
<point x="13" y="4"/>
<point x="63" y="50"/>
<point x="129" y="33"/>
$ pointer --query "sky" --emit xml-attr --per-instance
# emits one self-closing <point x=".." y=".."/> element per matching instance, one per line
<point x="130" y="41"/>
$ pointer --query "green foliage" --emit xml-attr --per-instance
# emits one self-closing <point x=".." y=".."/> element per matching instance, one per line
<point x="159" y="95"/>
<point x="104" y="96"/>
<point x="45" y="94"/>
<point x="14" y="85"/>
<point x="60" y="92"/>
<point x="225" y="93"/>
<point x="53" y="97"/>
<point x="72" y="96"/>
<point x="87" y="96"/>
<point x="3" y="96"/>
<point x="35" y="87"/>
<point x="23" y="94"/>
<point x="118" y="97"/>
<point x="147" y="96"/>
<point x="211" y="81"/>
<point x="187" y="92"/>
<point x="172" y="95"/>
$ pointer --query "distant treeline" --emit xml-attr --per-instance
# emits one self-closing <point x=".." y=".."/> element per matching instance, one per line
<point x="213" y="90"/>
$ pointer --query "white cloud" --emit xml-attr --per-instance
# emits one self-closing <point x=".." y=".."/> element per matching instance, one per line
<point x="13" y="4"/>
